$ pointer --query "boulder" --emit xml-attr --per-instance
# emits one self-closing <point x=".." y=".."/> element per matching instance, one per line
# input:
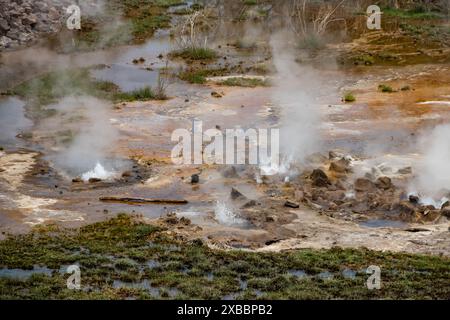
<point x="446" y="212"/>
<point x="4" y="25"/>
<point x="384" y="183"/>
<point x="363" y="185"/>
<point x="431" y="215"/>
<point x="340" y="166"/>
<point x="30" y="20"/>
<point x="414" y="199"/>
<point x="407" y="211"/>
<point x="319" y="178"/>
<point x="332" y="155"/>
<point x="5" y="42"/>
<point x="235" y="194"/>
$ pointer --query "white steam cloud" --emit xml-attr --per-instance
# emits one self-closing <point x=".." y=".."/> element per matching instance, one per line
<point x="296" y="89"/>
<point x="433" y="174"/>
<point x="94" y="137"/>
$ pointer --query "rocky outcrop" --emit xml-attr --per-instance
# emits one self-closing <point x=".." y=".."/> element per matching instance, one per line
<point x="22" y="21"/>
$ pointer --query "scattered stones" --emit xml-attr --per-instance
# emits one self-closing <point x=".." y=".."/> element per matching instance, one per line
<point x="319" y="178"/>
<point x="22" y="21"/>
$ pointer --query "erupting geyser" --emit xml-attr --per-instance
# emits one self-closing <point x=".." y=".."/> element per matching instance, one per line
<point x="99" y="172"/>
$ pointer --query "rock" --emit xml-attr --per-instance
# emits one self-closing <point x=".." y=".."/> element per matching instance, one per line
<point x="250" y="204"/>
<point x="407" y="211"/>
<point x="195" y="178"/>
<point x="406" y="170"/>
<point x="414" y="199"/>
<point x="335" y="196"/>
<point x="29" y="20"/>
<point x="5" y="42"/>
<point x="332" y="155"/>
<point x="216" y="94"/>
<point x="363" y="185"/>
<point x="94" y="180"/>
<point x="446" y="212"/>
<point x="333" y="206"/>
<point x="4" y="26"/>
<point x="127" y="174"/>
<point x="77" y="180"/>
<point x="235" y="194"/>
<point x="445" y="205"/>
<point x="384" y="183"/>
<point x="291" y="204"/>
<point x="431" y="215"/>
<point x="271" y="219"/>
<point x="414" y="230"/>
<point x="340" y="166"/>
<point x="319" y="178"/>
<point x="185" y="221"/>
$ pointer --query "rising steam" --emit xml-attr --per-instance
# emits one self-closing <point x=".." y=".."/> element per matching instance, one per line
<point x="295" y="91"/>
<point x="433" y="174"/>
<point x="89" y="150"/>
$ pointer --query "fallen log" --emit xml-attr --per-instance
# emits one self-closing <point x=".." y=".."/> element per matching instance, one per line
<point x="141" y="200"/>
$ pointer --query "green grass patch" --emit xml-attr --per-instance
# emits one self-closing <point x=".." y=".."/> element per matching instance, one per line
<point x="349" y="97"/>
<point x="143" y="94"/>
<point x="195" y="54"/>
<point x="198" y="76"/>
<point x="49" y="88"/>
<point x="245" y="82"/>
<point x="385" y="88"/>
<point x="121" y="248"/>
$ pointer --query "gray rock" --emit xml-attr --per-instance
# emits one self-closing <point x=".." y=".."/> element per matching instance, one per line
<point x="5" y="42"/>
<point x="4" y="25"/>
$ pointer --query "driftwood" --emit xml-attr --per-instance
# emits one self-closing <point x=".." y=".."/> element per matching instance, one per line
<point x="142" y="200"/>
